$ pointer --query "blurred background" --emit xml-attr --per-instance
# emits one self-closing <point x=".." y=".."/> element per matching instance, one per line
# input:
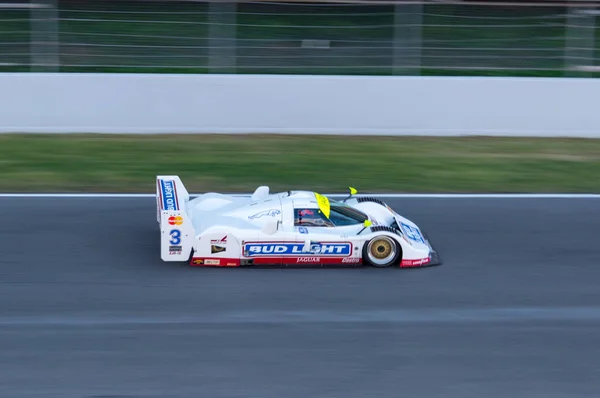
<point x="508" y="38"/>
<point x="557" y="38"/>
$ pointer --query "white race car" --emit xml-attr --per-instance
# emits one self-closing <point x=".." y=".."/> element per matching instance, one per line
<point x="285" y="229"/>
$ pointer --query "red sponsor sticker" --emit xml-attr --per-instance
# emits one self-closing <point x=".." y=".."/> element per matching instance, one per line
<point x="175" y="220"/>
<point x="414" y="263"/>
<point x="268" y="260"/>
<point x="221" y="241"/>
<point x="220" y="262"/>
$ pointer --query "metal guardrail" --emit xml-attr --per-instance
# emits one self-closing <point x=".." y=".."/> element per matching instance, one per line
<point x="362" y="37"/>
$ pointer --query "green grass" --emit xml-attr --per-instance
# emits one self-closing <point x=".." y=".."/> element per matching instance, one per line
<point x="239" y="163"/>
<point x="124" y="36"/>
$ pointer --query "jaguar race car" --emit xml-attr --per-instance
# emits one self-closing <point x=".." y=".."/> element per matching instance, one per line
<point x="285" y="229"/>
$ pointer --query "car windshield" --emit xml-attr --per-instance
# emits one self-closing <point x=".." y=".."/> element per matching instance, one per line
<point x="347" y="211"/>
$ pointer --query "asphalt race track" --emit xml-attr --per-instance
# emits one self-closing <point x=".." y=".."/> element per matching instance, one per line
<point x="88" y="310"/>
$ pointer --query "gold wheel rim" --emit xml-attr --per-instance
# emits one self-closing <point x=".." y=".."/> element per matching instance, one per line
<point x="381" y="249"/>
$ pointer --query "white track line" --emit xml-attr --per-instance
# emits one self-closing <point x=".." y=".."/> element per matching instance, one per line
<point x="387" y="195"/>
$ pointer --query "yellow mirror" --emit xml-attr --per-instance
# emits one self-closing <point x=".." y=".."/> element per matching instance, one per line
<point x="367" y="223"/>
<point x="353" y="191"/>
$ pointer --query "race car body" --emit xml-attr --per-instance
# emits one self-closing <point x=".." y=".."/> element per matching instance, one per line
<point x="285" y="229"/>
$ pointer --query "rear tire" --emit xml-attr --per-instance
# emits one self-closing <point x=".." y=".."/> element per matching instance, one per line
<point x="382" y="251"/>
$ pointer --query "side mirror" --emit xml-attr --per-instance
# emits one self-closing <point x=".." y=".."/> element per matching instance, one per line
<point x="366" y="225"/>
<point x="270" y="227"/>
<point x="353" y="191"/>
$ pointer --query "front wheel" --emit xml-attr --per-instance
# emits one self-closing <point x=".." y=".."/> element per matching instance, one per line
<point x="382" y="251"/>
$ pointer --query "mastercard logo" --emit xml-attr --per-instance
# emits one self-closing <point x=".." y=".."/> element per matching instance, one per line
<point x="175" y="220"/>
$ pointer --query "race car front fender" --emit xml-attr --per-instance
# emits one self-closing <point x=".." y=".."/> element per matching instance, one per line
<point x="432" y="259"/>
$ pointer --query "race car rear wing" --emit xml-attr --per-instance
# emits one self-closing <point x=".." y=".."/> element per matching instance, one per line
<point x="176" y="229"/>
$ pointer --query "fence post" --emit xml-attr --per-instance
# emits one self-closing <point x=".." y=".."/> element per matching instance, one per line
<point x="408" y="38"/>
<point x="45" y="41"/>
<point x="222" y="34"/>
<point x="580" y="41"/>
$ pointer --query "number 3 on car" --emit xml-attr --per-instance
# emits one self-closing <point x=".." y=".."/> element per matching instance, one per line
<point x="175" y="237"/>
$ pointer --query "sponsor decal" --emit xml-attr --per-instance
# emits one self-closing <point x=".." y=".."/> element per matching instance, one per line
<point x="302" y="230"/>
<point x="308" y="260"/>
<point x="284" y="248"/>
<point x="290" y="260"/>
<point x="270" y="213"/>
<point x="169" y="195"/>
<point x="412" y="233"/>
<point x="175" y="220"/>
<point x="174" y="249"/>
<point x="175" y="235"/>
<point x="222" y="241"/>
<point x="414" y="263"/>
<point x="351" y="260"/>
<point x="225" y="262"/>
<point x="218" y="245"/>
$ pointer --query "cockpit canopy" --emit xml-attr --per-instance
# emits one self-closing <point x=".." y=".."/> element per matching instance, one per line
<point x="340" y="215"/>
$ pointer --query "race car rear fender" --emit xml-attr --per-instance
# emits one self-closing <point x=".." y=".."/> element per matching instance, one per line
<point x="217" y="245"/>
<point x="176" y="230"/>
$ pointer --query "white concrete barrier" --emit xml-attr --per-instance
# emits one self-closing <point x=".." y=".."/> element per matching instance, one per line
<point x="150" y="103"/>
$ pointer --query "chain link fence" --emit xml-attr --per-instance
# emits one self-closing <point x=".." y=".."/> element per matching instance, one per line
<point x="395" y="38"/>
